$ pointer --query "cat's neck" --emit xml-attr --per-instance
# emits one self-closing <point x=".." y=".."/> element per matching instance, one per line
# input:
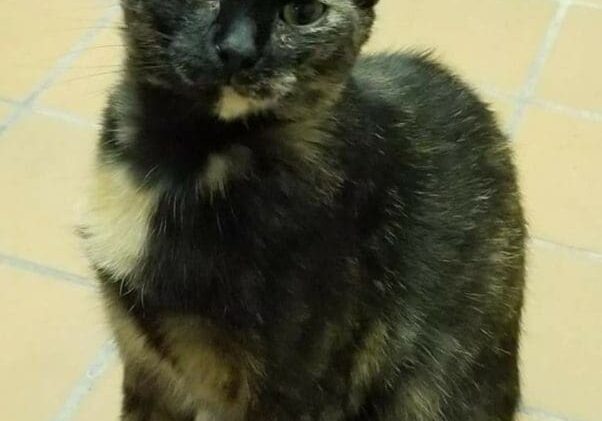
<point x="176" y="137"/>
<point x="185" y="109"/>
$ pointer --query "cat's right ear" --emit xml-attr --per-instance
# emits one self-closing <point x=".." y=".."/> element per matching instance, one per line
<point x="366" y="3"/>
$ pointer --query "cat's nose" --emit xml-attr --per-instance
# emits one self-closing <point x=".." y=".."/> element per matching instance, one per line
<point x="237" y="49"/>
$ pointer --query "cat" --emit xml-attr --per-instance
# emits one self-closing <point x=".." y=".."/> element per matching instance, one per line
<point x="284" y="229"/>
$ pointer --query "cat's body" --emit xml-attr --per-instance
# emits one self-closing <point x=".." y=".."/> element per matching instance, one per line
<point x="359" y="258"/>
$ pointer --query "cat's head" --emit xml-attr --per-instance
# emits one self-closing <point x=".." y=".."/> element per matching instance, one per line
<point x="245" y="56"/>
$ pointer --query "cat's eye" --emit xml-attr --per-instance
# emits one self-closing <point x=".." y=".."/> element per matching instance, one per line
<point x="303" y="13"/>
<point x="213" y="4"/>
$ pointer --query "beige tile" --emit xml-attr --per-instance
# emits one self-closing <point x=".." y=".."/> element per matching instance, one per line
<point x="487" y="41"/>
<point x="50" y="332"/>
<point x="538" y="415"/>
<point x="83" y="90"/>
<point x="33" y="36"/>
<point x="525" y="417"/>
<point x="572" y="74"/>
<point x="559" y="161"/>
<point x="43" y="169"/>
<point x="104" y="402"/>
<point x="562" y="344"/>
<point x="4" y="111"/>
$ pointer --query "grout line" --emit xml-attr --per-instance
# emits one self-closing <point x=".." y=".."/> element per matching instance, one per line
<point x="543" y="415"/>
<point x="54" y="113"/>
<point x="587" y="4"/>
<point x="538" y="64"/>
<point x="59" y="68"/>
<point x="496" y="93"/>
<point x="40" y="269"/>
<point x="13" y="117"/>
<point x="590" y="254"/>
<point x="86" y="383"/>
<point x="564" y="109"/>
<point x="65" y="116"/>
<point x="68" y="59"/>
<point x="10" y="102"/>
<point x="582" y="114"/>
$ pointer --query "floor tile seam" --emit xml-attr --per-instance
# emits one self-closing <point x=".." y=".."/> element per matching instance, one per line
<point x="537" y="66"/>
<point x="61" y="66"/>
<point x="584" y="3"/>
<point x="87" y="382"/>
<point x="541" y="414"/>
<point x="566" y="248"/>
<point x="31" y="266"/>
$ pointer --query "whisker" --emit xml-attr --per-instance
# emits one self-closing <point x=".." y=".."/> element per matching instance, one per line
<point x="98" y="47"/>
<point x="96" y="66"/>
<point x="89" y="27"/>
<point x="90" y="76"/>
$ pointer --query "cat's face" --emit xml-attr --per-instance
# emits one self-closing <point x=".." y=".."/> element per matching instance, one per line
<point x="247" y="55"/>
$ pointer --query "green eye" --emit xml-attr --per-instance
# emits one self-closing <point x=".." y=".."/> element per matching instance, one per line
<point x="303" y="13"/>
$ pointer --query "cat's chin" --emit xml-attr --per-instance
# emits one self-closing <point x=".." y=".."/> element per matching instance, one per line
<point x="232" y="105"/>
<point x="245" y="95"/>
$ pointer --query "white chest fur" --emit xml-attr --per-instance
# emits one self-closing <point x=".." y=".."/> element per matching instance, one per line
<point x="117" y="220"/>
<point x="119" y="211"/>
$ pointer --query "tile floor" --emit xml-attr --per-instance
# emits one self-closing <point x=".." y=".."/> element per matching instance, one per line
<point x="537" y="61"/>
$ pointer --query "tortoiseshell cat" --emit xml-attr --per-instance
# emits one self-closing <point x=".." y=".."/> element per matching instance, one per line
<point x="283" y="231"/>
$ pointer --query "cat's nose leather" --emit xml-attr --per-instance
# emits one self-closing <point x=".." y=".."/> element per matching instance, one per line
<point x="237" y="49"/>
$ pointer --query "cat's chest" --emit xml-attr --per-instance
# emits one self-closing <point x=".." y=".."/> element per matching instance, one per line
<point x="129" y="226"/>
<point x="131" y="204"/>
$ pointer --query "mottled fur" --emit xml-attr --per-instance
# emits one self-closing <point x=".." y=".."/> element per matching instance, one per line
<point x="351" y="250"/>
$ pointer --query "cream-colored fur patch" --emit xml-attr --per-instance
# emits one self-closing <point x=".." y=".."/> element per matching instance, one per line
<point x="212" y="371"/>
<point x="116" y="220"/>
<point x="134" y="350"/>
<point x="233" y="105"/>
<point x="223" y="167"/>
<point x="369" y="359"/>
<point x="200" y="376"/>
<point x="215" y="176"/>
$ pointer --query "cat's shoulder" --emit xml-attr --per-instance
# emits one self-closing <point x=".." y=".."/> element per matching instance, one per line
<point x="410" y="106"/>
<point x="410" y="68"/>
<point x="416" y="91"/>
<point x="417" y="78"/>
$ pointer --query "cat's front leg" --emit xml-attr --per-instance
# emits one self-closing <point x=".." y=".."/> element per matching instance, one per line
<point x="145" y="411"/>
<point x="144" y="399"/>
<point x="136" y="408"/>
